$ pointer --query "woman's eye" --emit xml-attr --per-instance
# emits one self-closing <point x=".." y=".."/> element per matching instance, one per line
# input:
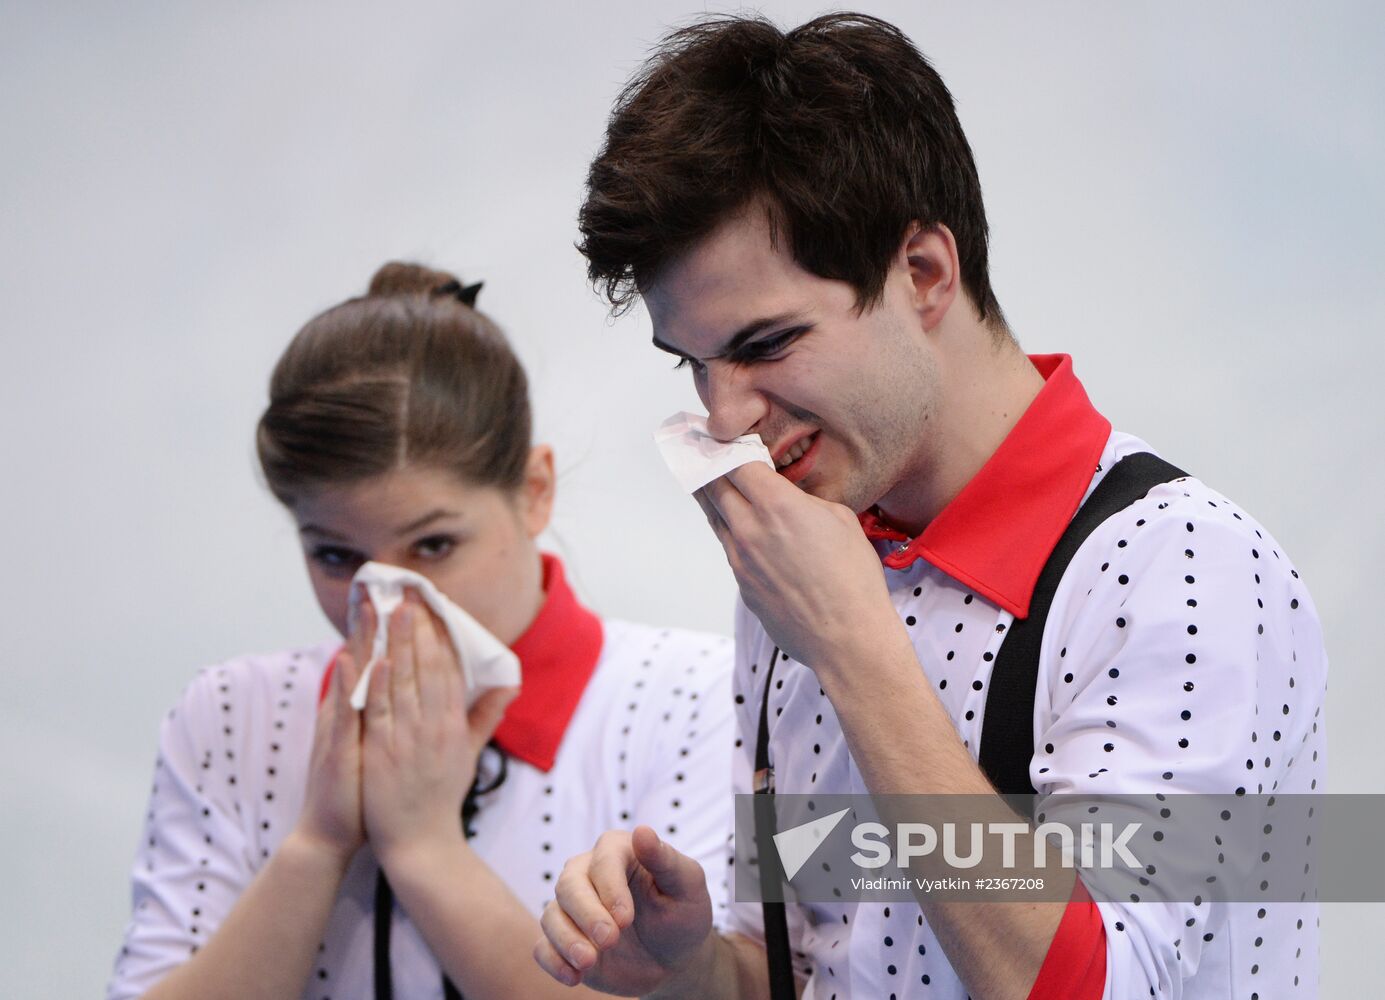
<point x="696" y="366"/>
<point x="337" y="559"/>
<point x="434" y="546"/>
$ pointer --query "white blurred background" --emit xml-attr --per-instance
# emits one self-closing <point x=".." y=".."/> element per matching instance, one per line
<point x="1187" y="200"/>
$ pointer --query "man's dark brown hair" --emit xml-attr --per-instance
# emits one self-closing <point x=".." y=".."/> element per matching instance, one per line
<point x="839" y="127"/>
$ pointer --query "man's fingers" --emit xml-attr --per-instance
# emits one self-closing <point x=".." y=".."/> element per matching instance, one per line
<point x="566" y="938"/>
<point x="716" y="522"/>
<point x="674" y="874"/>
<point x="709" y="510"/>
<point x="594" y="891"/>
<point x="554" y="964"/>
<point x="729" y="503"/>
<point x="612" y="864"/>
<point x="758" y="484"/>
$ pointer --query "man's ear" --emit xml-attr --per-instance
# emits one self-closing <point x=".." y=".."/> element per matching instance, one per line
<point x="537" y="491"/>
<point x="929" y="254"/>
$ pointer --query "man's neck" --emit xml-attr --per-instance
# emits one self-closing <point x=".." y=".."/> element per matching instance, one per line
<point x="985" y="385"/>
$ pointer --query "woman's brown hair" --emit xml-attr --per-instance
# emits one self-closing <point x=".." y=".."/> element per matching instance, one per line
<point x="407" y="374"/>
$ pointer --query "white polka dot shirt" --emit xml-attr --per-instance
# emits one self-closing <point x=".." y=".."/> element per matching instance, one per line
<point x="649" y="742"/>
<point x="1182" y="653"/>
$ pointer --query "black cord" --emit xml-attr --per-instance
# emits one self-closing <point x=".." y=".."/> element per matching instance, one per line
<point x="777" y="956"/>
<point x="384" y="895"/>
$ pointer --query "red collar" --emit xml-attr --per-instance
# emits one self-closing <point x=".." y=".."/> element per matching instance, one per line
<point x="557" y="655"/>
<point x="996" y="535"/>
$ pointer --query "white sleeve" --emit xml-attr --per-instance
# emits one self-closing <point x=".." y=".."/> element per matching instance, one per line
<point x="194" y="859"/>
<point x="685" y="795"/>
<point x="1193" y="665"/>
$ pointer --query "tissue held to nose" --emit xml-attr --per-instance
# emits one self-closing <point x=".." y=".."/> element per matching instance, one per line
<point x="486" y="661"/>
<point x="696" y="458"/>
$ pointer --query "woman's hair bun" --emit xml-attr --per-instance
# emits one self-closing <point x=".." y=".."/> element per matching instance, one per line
<point x="401" y="278"/>
<point x="409" y="373"/>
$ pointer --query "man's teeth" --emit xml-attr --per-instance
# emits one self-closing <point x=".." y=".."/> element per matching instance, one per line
<point x="796" y="452"/>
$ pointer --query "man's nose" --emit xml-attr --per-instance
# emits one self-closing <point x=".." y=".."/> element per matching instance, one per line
<point x="734" y="404"/>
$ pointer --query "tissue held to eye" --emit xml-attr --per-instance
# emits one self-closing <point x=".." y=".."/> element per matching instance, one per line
<point x="486" y="661"/>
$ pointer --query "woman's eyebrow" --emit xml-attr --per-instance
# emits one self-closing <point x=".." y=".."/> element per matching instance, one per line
<point x="424" y="521"/>
<point x="313" y="529"/>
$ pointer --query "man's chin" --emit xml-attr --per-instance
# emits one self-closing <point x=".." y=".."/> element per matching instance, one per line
<point x="822" y="490"/>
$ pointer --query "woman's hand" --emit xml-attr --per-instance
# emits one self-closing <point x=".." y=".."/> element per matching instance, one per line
<point x="420" y="745"/>
<point x="331" y="819"/>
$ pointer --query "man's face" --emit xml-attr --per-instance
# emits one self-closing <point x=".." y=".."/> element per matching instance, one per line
<point x="842" y="401"/>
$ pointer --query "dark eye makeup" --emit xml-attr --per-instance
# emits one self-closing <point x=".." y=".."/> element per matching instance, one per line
<point x="435" y="546"/>
<point x="344" y="561"/>
<point x="336" y="558"/>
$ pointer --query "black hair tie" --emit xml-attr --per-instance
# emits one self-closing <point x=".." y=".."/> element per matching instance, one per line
<point x="466" y="294"/>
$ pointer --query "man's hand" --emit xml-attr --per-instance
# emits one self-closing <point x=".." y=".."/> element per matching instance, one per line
<point x="630" y="916"/>
<point x="803" y="565"/>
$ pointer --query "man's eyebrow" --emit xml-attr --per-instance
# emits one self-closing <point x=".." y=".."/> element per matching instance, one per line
<point x="738" y="339"/>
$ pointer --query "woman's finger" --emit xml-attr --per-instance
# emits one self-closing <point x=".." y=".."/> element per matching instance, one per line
<point x="345" y="674"/>
<point x="436" y="670"/>
<point x="379" y="714"/>
<point x="488" y="710"/>
<point x="361" y="639"/>
<point x="403" y="664"/>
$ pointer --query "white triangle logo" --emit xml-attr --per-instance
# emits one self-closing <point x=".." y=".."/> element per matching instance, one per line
<point x="796" y="846"/>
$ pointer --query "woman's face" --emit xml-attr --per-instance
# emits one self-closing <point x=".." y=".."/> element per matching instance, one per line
<point x="475" y="543"/>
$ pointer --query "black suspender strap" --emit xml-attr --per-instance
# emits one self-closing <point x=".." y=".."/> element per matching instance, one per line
<point x="1007" y="734"/>
<point x="384" y="895"/>
<point x="777" y="956"/>
<point x="1007" y="730"/>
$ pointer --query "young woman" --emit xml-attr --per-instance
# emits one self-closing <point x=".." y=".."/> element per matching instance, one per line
<point x="295" y="847"/>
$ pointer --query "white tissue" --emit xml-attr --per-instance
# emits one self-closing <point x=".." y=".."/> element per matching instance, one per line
<point x="486" y="661"/>
<point x="696" y="458"/>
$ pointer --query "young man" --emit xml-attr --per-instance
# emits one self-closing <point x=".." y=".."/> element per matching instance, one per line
<point x="803" y="218"/>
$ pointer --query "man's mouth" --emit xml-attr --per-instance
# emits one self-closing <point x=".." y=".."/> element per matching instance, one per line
<point x="795" y="461"/>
